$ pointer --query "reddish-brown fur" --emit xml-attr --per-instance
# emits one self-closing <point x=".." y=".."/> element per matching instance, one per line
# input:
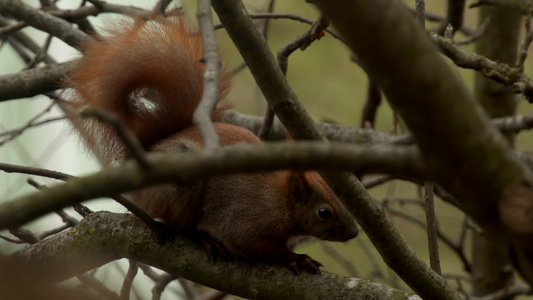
<point x="149" y="73"/>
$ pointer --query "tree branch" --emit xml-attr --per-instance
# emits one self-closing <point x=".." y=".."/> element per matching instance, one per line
<point x="29" y="83"/>
<point x="524" y="6"/>
<point x="103" y="237"/>
<point x="43" y="21"/>
<point x="497" y="71"/>
<point x="188" y="167"/>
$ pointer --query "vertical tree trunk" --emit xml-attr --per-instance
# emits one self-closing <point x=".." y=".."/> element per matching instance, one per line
<point x="500" y="41"/>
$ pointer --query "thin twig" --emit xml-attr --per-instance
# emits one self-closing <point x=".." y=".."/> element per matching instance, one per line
<point x="370" y="183"/>
<point x="215" y="295"/>
<point x="24" y="235"/>
<point x="302" y="42"/>
<point x="288" y="17"/>
<point x="420" y="6"/>
<point x="347" y="264"/>
<point x="39" y="56"/>
<point x="156" y="227"/>
<point x="448" y="31"/>
<point x="524" y="6"/>
<point x="97" y="286"/>
<point x="44" y="21"/>
<point x="127" y="137"/>
<point x="68" y="220"/>
<point x="128" y="280"/>
<point x="160" y="285"/>
<point x="497" y="71"/>
<point x="30" y="123"/>
<point x="459" y="251"/>
<point x="476" y="35"/>
<point x="431" y="227"/>
<point x="522" y="55"/>
<point x="12" y="241"/>
<point x="35" y="124"/>
<point x="372" y="103"/>
<point x="454" y="16"/>
<point x="211" y="59"/>
<point x="161" y="6"/>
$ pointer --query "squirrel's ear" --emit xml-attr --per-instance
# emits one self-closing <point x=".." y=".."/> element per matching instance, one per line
<point x="298" y="185"/>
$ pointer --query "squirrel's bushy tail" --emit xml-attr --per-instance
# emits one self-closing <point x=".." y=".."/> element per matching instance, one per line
<point x="149" y="73"/>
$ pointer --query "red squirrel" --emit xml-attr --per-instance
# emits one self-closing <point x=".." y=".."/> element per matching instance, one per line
<point x="149" y="73"/>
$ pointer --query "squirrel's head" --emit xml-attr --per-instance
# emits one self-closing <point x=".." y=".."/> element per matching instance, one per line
<point x="319" y="213"/>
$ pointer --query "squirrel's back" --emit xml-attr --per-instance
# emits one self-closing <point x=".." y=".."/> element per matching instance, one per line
<point x="149" y="73"/>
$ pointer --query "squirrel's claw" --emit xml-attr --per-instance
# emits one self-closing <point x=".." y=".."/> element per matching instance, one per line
<point x="299" y="262"/>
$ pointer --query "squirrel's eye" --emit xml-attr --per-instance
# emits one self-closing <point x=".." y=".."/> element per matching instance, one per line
<point x="324" y="213"/>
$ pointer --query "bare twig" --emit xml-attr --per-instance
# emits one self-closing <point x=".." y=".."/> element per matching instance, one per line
<point x="39" y="56"/>
<point x="30" y="123"/>
<point x="433" y="17"/>
<point x="155" y="226"/>
<point x="161" y="6"/>
<point x="302" y="42"/>
<point x="128" y="280"/>
<point x="476" y="34"/>
<point x="447" y="241"/>
<point x="508" y="292"/>
<point x="160" y="285"/>
<point x="43" y="21"/>
<point x="420" y="6"/>
<point x="347" y="264"/>
<point x="524" y="6"/>
<point x="12" y="241"/>
<point x="370" y="183"/>
<point x="454" y="16"/>
<point x="149" y="272"/>
<point x="292" y="17"/>
<point x="497" y="71"/>
<point x="97" y="286"/>
<point x="215" y="295"/>
<point x="522" y="55"/>
<point x="210" y="94"/>
<point x="431" y="227"/>
<point x="127" y="137"/>
<point x="373" y="100"/>
<point x="448" y="31"/>
<point x="5" y="30"/>
<point x="24" y="235"/>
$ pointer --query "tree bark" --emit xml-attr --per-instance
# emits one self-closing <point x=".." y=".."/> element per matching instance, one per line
<point x="490" y="252"/>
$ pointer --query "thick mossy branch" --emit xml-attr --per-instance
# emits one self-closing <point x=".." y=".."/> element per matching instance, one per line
<point x="468" y="155"/>
<point x="103" y="237"/>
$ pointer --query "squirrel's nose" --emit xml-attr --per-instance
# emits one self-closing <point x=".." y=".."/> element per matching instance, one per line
<point x="352" y="232"/>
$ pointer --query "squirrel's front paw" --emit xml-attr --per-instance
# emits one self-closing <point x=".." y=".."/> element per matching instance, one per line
<point x="215" y="249"/>
<point x="297" y="262"/>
